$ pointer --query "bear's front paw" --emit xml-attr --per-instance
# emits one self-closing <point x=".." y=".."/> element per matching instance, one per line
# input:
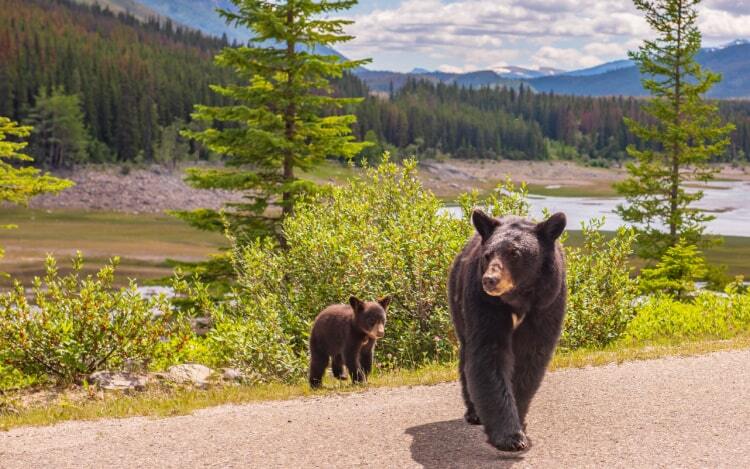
<point x="471" y="417"/>
<point x="511" y="442"/>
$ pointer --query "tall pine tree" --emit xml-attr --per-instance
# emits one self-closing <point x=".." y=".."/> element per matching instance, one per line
<point x="282" y="115"/>
<point x="683" y="134"/>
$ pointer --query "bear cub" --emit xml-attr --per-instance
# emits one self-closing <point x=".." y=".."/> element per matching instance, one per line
<point x="346" y="334"/>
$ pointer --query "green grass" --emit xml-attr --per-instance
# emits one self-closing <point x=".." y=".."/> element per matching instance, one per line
<point x="596" y="189"/>
<point x="144" y="242"/>
<point x="164" y="402"/>
<point x="734" y="253"/>
<point x="331" y="172"/>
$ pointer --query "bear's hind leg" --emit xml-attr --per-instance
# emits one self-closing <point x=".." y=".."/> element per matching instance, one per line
<point x="337" y="367"/>
<point x="318" y="365"/>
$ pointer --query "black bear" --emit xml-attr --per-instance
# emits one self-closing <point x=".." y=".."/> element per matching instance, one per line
<point x="507" y="297"/>
<point x="347" y="335"/>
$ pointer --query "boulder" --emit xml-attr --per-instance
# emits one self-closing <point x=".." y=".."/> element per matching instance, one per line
<point x="201" y="325"/>
<point x="188" y="373"/>
<point x="232" y="374"/>
<point x="122" y="381"/>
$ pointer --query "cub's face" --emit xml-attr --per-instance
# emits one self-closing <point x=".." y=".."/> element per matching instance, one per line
<point x="513" y="249"/>
<point x="369" y="316"/>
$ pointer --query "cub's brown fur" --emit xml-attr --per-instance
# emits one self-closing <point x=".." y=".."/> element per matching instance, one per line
<point x="347" y="335"/>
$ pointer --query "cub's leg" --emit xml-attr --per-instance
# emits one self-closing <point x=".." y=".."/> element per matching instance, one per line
<point x="318" y="365"/>
<point x="365" y="356"/>
<point x="351" y="357"/>
<point x="337" y="366"/>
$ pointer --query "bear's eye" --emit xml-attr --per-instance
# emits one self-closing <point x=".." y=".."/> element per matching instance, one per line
<point x="515" y="252"/>
<point x="487" y="256"/>
<point x="371" y="322"/>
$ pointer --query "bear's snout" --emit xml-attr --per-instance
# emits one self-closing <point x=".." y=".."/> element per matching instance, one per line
<point x="489" y="282"/>
<point x="380" y="331"/>
<point x="496" y="280"/>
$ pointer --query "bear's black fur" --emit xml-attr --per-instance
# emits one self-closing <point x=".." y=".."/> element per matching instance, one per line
<point x="347" y="335"/>
<point x="507" y="297"/>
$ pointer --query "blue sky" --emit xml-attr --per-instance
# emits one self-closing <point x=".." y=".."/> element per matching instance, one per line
<point x="465" y="35"/>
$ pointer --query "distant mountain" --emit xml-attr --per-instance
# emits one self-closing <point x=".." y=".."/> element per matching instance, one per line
<point x="140" y="11"/>
<point x="512" y="71"/>
<point x="732" y="60"/>
<point x="197" y="14"/>
<point x="599" y="69"/>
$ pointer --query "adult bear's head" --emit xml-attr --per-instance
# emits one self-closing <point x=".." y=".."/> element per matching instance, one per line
<point x="514" y="250"/>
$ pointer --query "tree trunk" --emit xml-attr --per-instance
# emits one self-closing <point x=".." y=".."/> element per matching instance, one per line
<point x="290" y="113"/>
<point x="675" y="176"/>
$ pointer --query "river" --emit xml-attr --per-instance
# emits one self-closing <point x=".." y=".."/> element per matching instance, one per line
<point x="729" y="201"/>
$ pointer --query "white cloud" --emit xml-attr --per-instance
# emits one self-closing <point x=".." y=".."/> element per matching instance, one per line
<point x="567" y="59"/>
<point x="724" y="25"/>
<point x="463" y="34"/>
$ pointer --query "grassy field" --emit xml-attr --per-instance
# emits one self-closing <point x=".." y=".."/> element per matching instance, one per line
<point x="87" y="404"/>
<point x="144" y="242"/>
<point x="595" y="189"/>
<point x="337" y="173"/>
<point x="734" y="253"/>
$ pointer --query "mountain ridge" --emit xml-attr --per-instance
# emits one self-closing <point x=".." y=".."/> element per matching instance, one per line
<point x="731" y="60"/>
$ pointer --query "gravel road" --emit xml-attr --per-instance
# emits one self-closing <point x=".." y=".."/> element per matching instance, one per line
<point x="673" y="412"/>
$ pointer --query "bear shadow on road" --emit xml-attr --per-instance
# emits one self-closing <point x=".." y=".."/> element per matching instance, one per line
<point x="456" y="444"/>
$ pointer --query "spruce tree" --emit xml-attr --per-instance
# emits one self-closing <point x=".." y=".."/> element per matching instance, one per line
<point x="281" y="115"/>
<point x="59" y="137"/>
<point x="681" y="136"/>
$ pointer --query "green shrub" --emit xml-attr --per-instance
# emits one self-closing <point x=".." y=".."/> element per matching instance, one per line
<point x="376" y="235"/>
<point x="381" y="234"/>
<point x="247" y="332"/>
<point x="74" y="326"/>
<point x="11" y="378"/>
<point x="676" y="272"/>
<point x="716" y="277"/>
<point x="708" y="316"/>
<point x="601" y="291"/>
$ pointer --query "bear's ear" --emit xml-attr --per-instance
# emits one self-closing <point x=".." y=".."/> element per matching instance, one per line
<point x="356" y="303"/>
<point x="385" y="301"/>
<point x="484" y="223"/>
<point x="551" y="228"/>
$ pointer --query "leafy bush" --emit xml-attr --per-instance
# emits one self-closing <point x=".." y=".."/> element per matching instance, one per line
<point x="11" y="378"/>
<point x="384" y="234"/>
<point x="601" y="292"/>
<point x="708" y="316"/>
<point x="376" y="235"/>
<point x="247" y="332"/>
<point x="77" y="326"/>
<point x="676" y="272"/>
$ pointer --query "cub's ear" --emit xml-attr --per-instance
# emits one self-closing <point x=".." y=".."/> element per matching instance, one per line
<point x="356" y="303"/>
<point x="385" y="301"/>
<point x="484" y="223"/>
<point x="551" y="228"/>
